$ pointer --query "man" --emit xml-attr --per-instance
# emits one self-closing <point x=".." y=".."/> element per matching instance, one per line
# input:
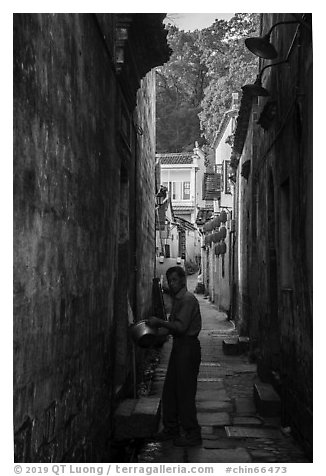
<point x="180" y="386"/>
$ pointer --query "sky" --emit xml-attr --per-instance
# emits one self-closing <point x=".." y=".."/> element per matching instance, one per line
<point x="195" y="21"/>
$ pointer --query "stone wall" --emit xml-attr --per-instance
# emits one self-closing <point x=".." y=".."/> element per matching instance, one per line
<point x="83" y="201"/>
<point x="144" y="194"/>
<point x="274" y="229"/>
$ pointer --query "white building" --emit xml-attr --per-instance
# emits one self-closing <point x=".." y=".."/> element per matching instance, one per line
<point x="217" y="256"/>
<point x="222" y="146"/>
<point x="182" y="174"/>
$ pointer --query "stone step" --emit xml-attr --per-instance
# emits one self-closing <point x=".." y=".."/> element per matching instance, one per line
<point x="136" y="418"/>
<point x="235" y="345"/>
<point x="243" y="344"/>
<point x="230" y="346"/>
<point x="220" y="419"/>
<point x="252" y="432"/>
<point x="247" y="421"/>
<point x="244" y="406"/>
<point x="266" y="399"/>
<point x="214" y="406"/>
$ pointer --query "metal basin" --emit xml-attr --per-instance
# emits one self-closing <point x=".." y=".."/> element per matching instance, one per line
<point x="144" y="335"/>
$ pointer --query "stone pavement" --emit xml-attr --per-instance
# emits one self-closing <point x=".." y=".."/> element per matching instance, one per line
<point x="232" y="430"/>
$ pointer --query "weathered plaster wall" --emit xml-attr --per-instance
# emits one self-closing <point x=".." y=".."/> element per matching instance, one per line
<point x="145" y="195"/>
<point x="71" y="228"/>
<point x="274" y="289"/>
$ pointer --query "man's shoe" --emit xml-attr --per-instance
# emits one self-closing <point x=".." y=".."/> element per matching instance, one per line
<point x="166" y="435"/>
<point x="188" y="440"/>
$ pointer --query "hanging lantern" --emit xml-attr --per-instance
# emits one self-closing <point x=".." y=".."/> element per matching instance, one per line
<point x="217" y="249"/>
<point x="223" y="216"/>
<point x="216" y="222"/>
<point x="208" y="226"/>
<point x="223" y="248"/>
<point x="215" y="237"/>
<point x="222" y="232"/>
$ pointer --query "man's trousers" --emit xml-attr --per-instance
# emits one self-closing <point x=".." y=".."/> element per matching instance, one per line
<point x="180" y="386"/>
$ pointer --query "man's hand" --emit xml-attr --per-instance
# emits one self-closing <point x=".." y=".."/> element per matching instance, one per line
<point x="154" y="321"/>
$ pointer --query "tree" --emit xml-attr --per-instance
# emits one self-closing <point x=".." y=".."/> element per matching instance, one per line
<point x="230" y="66"/>
<point x="180" y="90"/>
<point x="194" y="88"/>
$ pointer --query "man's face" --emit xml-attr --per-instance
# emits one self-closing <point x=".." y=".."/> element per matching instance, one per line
<point x="175" y="282"/>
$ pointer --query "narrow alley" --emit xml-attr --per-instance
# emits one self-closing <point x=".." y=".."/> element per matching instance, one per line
<point x="120" y="172"/>
<point x="233" y="431"/>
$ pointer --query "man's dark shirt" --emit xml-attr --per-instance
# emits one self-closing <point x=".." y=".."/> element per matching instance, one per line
<point x="185" y="314"/>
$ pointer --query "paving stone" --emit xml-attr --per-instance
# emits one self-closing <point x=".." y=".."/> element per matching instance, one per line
<point x="203" y="455"/>
<point x="247" y="421"/>
<point x="209" y="372"/>
<point x="212" y="385"/>
<point x="221" y="372"/>
<point x="213" y="432"/>
<point x="214" y="406"/>
<point x="210" y="364"/>
<point x="245" y="406"/>
<point x="261" y="455"/>
<point x="208" y="379"/>
<point x="250" y="432"/>
<point x="207" y="430"/>
<point x="209" y="436"/>
<point x="209" y="395"/>
<point x="266" y="399"/>
<point x="223" y="443"/>
<point x="244" y="367"/>
<point x="213" y="419"/>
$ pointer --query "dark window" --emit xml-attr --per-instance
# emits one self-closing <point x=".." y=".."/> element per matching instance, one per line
<point x="226" y="173"/>
<point x="186" y="190"/>
<point x="211" y="186"/>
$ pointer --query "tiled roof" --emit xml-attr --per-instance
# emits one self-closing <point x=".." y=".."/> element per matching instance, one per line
<point x="182" y="208"/>
<point x="223" y="125"/>
<point x="176" y="158"/>
<point x="242" y="123"/>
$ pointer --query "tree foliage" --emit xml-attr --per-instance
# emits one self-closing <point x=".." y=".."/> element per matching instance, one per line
<point x="194" y="88"/>
<point x="180" y="89"/>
